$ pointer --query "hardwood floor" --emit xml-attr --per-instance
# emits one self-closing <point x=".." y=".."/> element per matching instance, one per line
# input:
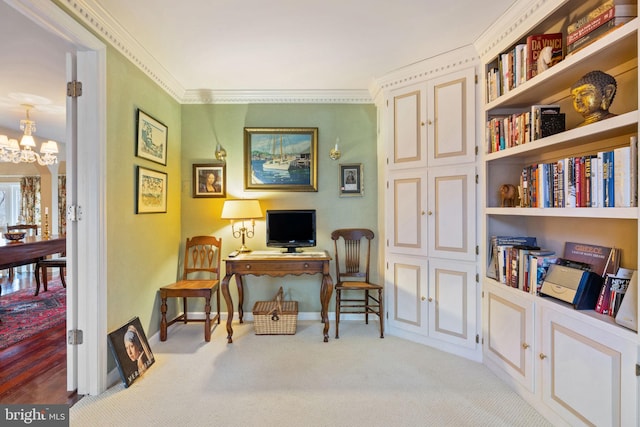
<point x="34" y="371"/>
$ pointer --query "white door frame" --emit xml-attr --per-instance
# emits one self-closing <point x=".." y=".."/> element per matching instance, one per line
<point x="86" y="239"/>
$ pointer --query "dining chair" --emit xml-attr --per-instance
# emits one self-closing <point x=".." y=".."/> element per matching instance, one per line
<point x="352" y="258"/>
<point x="201" y="259"/>
<point x="42" y="267"/>
<point x="31" y="230"/>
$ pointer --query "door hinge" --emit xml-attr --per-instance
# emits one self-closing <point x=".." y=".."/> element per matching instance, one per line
<point x="477" y="278"/>
<point x="637" y="370"/>
<point x="74" y="89"/>
<point x="74" y="337"/>
<point x="477" y="250"/>
<point x="476" y="77"/>
<point x="477" y="178"/>
<point x="477" y="150"/>
<point x="477" y="339"/>
<point x="74" y="213"/>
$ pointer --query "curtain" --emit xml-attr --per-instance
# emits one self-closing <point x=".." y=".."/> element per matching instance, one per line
<point x="62" y="205"/>
<point x="30" y="204"/>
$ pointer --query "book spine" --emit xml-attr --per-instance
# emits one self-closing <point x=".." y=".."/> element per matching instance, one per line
<point x="634" y="171"/>
<point x="591" y="25"/>
<point x="622" y="177"/>
<point x="592" y="36"/>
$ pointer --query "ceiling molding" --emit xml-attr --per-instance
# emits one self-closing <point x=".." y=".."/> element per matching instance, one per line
<point x="277" y="97"/>
<point x="100" y="21"/>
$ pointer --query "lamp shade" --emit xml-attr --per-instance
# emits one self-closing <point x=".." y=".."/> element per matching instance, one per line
<point x="241" y="209"/>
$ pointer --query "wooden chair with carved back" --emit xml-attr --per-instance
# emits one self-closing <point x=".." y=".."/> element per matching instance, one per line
<point x="200" y="279"/>
<point x="352" y="258"/>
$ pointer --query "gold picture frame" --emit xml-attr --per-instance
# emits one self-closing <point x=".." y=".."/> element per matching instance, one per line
<point x="281" y="159"/>
<point x="151" y="188"/>
<point x="350" y="179"/>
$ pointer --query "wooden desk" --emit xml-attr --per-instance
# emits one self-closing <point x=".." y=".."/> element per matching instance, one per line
<point x="276" y="264"/>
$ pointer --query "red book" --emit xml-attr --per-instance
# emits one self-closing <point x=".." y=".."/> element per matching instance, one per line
<point x="599" y="20"/>
<point x="535" y="44"/>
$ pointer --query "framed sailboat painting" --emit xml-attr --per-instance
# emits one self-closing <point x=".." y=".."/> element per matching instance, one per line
<point x="281" y="159"/>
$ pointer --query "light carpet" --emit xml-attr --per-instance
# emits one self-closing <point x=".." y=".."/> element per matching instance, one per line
<point x="298" y="380"/>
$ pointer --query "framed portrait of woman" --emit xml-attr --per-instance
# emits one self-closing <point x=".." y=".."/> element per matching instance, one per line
<point x="209" y="180"/>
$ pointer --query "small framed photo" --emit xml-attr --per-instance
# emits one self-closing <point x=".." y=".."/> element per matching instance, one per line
<point x="351" y="180"/>
<point x="281" y="159"/>
<point x="131" y="351"/>
<point x="209" y="180"/>
<point x="151" y="191"/>
<point x="152" y="139"/>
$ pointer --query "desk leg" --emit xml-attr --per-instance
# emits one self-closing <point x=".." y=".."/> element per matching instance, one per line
<point x="325" y="298"/>
<point x="240" y="286"/>
<point x="229" y="303"/>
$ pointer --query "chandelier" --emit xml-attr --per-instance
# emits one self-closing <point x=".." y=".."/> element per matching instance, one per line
<point x="11" y="151"/>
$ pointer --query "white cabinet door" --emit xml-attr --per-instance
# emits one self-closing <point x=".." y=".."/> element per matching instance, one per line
<point x="406" y="292"/>
<point x="408" y="139"/>
<point x="509" y="336"/>
<point x="452" y="302"/>
<point x="406" y="225"/>
<point x="451" y="118"/>
<point x="588" y="373"/>
<point x="451" y="212"/>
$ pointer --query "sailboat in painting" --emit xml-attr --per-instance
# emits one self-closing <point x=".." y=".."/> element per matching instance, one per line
<point x="278" y="161"/>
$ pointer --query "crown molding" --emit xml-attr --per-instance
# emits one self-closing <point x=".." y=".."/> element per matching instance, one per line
<point x="514" y="24"/>
<point x="277" y="97"/>
<point x="99" y="20"/>
<point x="444" y="63"/>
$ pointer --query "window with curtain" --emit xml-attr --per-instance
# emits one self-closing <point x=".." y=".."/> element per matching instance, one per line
<point x="30" y="206"/>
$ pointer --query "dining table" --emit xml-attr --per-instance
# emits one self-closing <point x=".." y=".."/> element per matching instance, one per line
<point x="29" y="250"/>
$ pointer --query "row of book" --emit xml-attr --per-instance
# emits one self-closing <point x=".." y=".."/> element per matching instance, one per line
<point x="538" y="52"/>
<point x="518" y="261"/>
<point x="613" y="291"/>
<point x="523" y="62"/>
<point x="598" y="22"/>
<point x="510" y="130"/>
<point x="605" y="179"/>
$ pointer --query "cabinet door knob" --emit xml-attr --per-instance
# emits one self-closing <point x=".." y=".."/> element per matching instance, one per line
<point x="430" y="122"/>
<point x="430" y="299"/>
<point x="421" y="123"/>
<point x="429" y="213"/>
<point x="525" y="345"/>
<point x="423" y="298"/>
<point x="542" y="356"/>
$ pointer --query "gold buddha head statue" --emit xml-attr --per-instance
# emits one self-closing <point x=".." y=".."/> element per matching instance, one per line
<point x="592" y="96"/>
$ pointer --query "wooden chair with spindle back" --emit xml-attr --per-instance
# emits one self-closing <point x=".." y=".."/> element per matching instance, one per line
<point x="352" y="275"/>
<point x="202" y="256"/>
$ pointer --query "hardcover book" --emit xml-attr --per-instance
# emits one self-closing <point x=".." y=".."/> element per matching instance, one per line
<point x="131" y="351"/>
<point x="549" y="46"/>
<point x="602" y="259"/>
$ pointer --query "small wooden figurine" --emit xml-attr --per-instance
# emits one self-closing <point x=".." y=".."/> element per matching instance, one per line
<point x="508" y="195"/>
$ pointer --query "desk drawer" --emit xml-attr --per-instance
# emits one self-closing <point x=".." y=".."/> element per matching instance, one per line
<point x="275" y="268"/>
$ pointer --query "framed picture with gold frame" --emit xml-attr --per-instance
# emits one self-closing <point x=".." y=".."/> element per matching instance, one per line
<point x="282" y="159"/>
<point x="151" y="191"/>
<point x="351" y="179"/>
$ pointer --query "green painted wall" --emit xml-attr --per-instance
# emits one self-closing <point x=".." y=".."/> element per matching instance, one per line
<point x="142" y="249"/>
<point x="354" y="124"/>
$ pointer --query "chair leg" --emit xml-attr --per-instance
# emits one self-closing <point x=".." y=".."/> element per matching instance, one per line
<point x="207" y="318"/>
<point x="184" y="309"/>
<point x="62" y="271"/>
<point x="163" y="318"/>
<point x="381" y="313"/>
<point x="366" y="307"/>
<point x="337" y="313"/>
<point x="37" y="273"/>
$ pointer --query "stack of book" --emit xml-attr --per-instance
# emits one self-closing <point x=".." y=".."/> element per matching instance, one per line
<point x="598" y="22"/>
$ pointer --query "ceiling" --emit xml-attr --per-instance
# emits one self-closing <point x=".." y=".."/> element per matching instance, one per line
<point x="227" y="45"/>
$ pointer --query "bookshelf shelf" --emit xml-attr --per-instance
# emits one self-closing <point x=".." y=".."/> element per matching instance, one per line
<point x="535" y="341"/>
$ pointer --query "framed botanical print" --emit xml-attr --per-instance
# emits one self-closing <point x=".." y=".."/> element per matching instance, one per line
<point x="283" y="159"/>
<point x="351" y="179"/>
<point x="209" y="180"/>
<point x="151" y="142"/>
<point x="151" y="191"/>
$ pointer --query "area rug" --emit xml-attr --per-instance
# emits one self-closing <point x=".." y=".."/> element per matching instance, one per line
<point x="23" y="315"/>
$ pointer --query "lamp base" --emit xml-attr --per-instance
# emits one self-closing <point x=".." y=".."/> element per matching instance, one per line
<point x="243" y="249"/>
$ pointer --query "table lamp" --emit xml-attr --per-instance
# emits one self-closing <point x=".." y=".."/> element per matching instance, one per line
<point x="242" y="210"/>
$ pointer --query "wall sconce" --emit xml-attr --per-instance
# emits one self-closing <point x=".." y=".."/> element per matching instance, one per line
<point x="242" y="210"/>
<point x="221" y="153"/>
<point x="335" y="151"/>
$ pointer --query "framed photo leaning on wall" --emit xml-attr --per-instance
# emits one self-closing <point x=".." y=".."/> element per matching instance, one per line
<point x="351" y="179"/>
